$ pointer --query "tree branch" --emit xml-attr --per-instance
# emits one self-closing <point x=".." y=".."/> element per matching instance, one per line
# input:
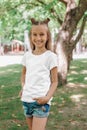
<point x="64" y="1"/>
<point x="82" y="2"/>
<point x="41" y="2"/>
<point x="59" y="20"/>
<point x="70" y="4"/>
<point x="80" y="31"/>
<point x="56" y="16"/>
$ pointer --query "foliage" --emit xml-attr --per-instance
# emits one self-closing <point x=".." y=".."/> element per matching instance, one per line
<point x="15" y="15"/>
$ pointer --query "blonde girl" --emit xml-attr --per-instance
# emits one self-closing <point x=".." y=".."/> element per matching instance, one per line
<point x="39" y="76"/>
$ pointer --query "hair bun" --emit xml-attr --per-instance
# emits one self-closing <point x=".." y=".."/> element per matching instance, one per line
<point x="34" y="21"/>
<point x="46" y="21"/>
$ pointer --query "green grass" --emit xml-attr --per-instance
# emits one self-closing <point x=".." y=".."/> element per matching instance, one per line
<point x="78" y="71"/>
<point x="69" y="106"/>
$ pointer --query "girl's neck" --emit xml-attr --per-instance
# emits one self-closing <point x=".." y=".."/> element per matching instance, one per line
<point x="39" y="51"/>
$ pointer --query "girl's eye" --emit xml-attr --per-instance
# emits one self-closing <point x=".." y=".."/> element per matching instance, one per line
<point x="34" y="34"/>
<point x="42" y="34"/>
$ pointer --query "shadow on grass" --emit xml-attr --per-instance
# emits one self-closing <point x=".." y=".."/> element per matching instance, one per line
<point x="78" y="71"/>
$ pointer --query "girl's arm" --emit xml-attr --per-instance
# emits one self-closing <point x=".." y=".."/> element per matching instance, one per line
<point x="23" y="76"/>
<point x="54" y="83"/>
<point x="22" y="79"/>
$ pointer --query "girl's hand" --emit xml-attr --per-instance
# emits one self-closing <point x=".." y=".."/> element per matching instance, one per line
<point x="42" y="100"/>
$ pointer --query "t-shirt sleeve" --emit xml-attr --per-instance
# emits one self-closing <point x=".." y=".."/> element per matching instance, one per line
<point x="23" y="62"/>
<point x="53" y="61"/>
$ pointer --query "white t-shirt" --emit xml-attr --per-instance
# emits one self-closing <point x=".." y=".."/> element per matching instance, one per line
<point x="37" y="80"/>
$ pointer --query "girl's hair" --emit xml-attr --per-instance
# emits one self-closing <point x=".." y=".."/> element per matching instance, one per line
<point x="45" y="22"/>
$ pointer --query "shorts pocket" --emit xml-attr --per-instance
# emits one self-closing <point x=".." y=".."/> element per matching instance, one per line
<point x="45" y="107"/>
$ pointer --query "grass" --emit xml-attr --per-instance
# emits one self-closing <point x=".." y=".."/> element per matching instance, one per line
<point x="69" y="106"/>
<point x="78" y="72"/>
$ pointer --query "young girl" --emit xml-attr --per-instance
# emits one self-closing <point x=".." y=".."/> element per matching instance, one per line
<point x="39" y="76"/>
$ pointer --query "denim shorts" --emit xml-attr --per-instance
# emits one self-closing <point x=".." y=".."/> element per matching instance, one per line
<point x="35" y="109"/>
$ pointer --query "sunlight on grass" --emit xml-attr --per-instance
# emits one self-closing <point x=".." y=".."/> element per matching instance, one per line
<point x="9" y="70"/>
<point x="71" y="78"/>
<point x="2" y="72"/>
<point x="73" y="67"/>
<point x="74" y="85"/>
<point x="2" y="86"/>
<point x="84" y="61"/>
<point x="83" y="72"/>
<point x="76" y="98"/>
<point x="78" y="71"/>
<point x="85" y="78"/>
<point x="74" y="72"/>
<point x="16" y="71"/>
<point x="75" y="123"/>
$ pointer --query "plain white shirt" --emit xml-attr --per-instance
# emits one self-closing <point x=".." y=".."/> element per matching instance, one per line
<point x="37" y="79"/>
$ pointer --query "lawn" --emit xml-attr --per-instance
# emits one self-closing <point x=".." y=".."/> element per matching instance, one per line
<point x="69" y="106"/>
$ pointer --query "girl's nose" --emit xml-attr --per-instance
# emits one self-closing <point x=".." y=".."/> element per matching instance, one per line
<point x="38" y="37"/>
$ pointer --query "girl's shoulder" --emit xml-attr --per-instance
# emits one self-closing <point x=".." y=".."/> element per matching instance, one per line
<point x="51" y="53"/>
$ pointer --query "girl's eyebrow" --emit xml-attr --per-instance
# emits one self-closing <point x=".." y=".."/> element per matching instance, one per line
<point x="34" y="32"/>
<point x="39" y="32"/>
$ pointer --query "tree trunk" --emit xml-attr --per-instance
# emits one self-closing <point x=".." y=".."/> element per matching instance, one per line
<point x="62" y="58"/>
<point x="64" y="45"/>
<point x="62" y="64"/>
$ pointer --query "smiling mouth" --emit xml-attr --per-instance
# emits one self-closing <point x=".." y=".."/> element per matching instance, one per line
<point x="39" y="42"/>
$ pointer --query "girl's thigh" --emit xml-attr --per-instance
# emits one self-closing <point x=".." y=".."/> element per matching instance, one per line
<point x="39" y="123"/>
<point x="29" y="122"/>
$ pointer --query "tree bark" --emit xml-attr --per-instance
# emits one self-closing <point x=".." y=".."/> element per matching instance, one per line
<point x="64" y="45"/>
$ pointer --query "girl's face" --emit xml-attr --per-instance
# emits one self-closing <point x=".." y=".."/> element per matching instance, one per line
<point x="39" y="35"/>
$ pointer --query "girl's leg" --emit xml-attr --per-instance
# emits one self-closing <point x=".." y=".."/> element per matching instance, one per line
<point x="39" y="123"/>
<point x="29" y="122"/>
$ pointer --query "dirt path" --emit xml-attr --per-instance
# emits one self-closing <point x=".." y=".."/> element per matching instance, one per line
<point x="8" y="60"/>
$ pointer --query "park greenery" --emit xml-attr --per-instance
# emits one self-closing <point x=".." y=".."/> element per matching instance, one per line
<point x="15" y="16"/>
<point x="69" y="106"/>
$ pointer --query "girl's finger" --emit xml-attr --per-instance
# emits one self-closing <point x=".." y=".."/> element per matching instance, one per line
<point x="35" y="98"/>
